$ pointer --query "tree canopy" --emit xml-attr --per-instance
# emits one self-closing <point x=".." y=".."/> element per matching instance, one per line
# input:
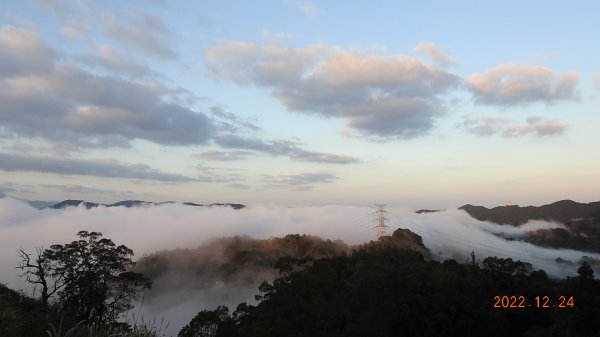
<point x="382" y="290"/>
<point x="94" y="275"/>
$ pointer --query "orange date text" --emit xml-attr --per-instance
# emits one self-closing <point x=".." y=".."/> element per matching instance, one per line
<point x="521" y="302"/>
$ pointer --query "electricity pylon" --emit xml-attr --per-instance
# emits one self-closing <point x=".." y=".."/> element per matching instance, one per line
<point x="381" y="219"/>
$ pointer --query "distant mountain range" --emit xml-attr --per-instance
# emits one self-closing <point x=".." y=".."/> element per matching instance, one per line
<point x="582" y="222"/>
<point x="39" y="204"/>
<point x="422" y="211"/>
<point x="560" y="211"/>
<point x="124" y="203"/>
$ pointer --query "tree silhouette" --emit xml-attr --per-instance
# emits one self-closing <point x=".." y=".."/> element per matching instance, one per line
<point x="36" y="270"/>
<point x="97" y="276"/>
<point x="384" y="290"/>
<point x="585" y="271"/>
<point x="207" y="323"/>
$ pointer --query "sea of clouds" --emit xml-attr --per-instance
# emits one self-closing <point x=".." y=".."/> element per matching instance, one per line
<point x="449" y="234"/>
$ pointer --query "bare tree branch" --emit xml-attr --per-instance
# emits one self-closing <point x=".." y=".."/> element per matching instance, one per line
<point x="38" y="270"/>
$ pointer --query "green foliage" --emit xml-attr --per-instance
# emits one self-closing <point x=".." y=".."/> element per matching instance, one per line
<point x="95" y="329"/>
<point x="98" y="283"/>
<point x="24" y="316"/>
<point x="94" y="283"/>
<point x="238" y="260"/>
<point x="585" y="271"/>
<point x="58" y="332"/>
<point x="119" y="330"/>
<point x="496" y="265"/>
<point x="382" y="290"/>
<point x="207" y="323"/>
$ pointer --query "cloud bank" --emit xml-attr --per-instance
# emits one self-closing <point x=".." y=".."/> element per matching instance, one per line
<point x="97" y="168"/>
<point x="22" y="52"/>
<point x="276" y="147"/>
<point x="390" y="97"/>
<point x="68" y="107"/>
<point x="387" y="97"/>
<point x="302" y="181"/>
<point x="62" y="102"/>
<point x="450" y="234"/>
<point x="148" y="229"/>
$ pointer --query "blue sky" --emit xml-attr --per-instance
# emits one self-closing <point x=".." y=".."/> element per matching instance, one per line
<point x="424" y="104"/>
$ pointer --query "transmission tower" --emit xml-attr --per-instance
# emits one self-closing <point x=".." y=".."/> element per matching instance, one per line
<point x="381" y="219"/>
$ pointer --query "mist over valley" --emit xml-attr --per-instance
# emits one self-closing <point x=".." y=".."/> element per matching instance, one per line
<point x="202" y="257"/>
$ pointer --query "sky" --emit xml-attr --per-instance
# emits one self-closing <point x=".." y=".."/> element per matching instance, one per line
<point x="423" y="105"/>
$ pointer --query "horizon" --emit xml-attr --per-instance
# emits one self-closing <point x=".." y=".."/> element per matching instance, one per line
<point x="292" y="102"/>
<point x="274" y="204"/>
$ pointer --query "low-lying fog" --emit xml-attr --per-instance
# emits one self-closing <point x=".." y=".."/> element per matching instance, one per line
<point x="450" y="234"/>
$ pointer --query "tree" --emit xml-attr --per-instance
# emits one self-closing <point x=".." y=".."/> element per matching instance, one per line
<point x="207" y="323"/>
<point x="37" y="271"/>
<point x="499" y="265"/>
<point x="97" y="277"/>
<point x="585" y="271"/>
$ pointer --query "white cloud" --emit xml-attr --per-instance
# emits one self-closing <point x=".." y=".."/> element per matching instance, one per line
<point x="387" y="97"/>
<point x="281" y="147"/>
<point x="75" y="29"/>
<point x="451" y="234"/>
<point x="435" y="53"/>
<point x="538" y="127"/>
<point x="490" y="125"/>
<point x="99" y="168"/>
<point x="274" y="37"/>
<point x="74" y="109"/>
<point x="57" y="6"/>
<point x="306" y="7"/>
<point x="485" y="125"/>
<point x="140" y="31"/>
<point x="115" y="61"/>
<point x="226" y="155"/>
<point x="302" y="181"/>
<point x="23" y="52"/>
<point x="64" y="103"/>
<point x="516" y="84"/>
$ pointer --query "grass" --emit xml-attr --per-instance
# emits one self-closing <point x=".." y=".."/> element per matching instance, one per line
<point x="82" y="329"/>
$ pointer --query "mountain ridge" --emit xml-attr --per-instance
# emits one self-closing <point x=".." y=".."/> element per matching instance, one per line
<point x="581" y="222"/>
<point x="559" y="211"/>
<point x="135" y="203"/>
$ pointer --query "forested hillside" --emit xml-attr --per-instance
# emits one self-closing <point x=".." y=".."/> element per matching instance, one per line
<point x="389" y="287"/>
<point x="581" y="223"/>
<point x="385" y="290"/>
